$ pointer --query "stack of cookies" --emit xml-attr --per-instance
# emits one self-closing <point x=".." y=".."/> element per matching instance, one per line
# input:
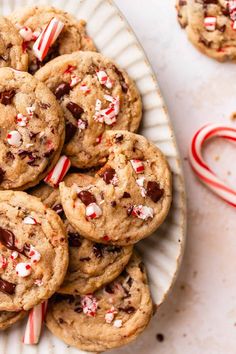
<point x="78" y="187"/>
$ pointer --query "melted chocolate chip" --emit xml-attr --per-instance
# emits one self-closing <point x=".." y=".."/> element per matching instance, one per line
<point x="61" y="320"/>
<point x="59" y="210"/>
<point x="71" y="129"/>
<point x="48" y="153"/>
<point x="205" y="41"/>
<point x="62" y="89"/>
<point x="113" y="204"/>
<point x="7" y="96"/>
<point x="108" y="289"/>
<point x="10" y="156"/>
<point x="78" y="309"/>
<point x="74" y="239"/>
<point x="74" y="109"/>
<point x="108" y="173"/>
<point x="128" y="309"/>
<point x="33" y="135"/>
<point x="123" y="84"/>
<point x="6" y="287"/>
<point x="2" y="174"/>
<point x="130" y="282"/>
<point x="86" y="197"/>
<point x="98" y="250"/>
<point x="84" y="259"/>
<point x="7" y="239"/>
<point x="154" y="191"/>
<point x="44" y="105"/>
<point x="119" y="138"/>
<point x="126" y="195"/>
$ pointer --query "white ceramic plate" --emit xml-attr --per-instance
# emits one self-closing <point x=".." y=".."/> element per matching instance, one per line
<point x="163" y="251"/>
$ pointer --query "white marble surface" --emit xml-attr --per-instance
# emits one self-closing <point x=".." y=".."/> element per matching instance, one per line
<point x="200" y="313"/>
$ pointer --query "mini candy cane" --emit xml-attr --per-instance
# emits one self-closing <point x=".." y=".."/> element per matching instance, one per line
<point x="199" y="166"/>
<point x="35" y="323"/>
<point x="57" y="174"/>
<point x="47" y="38"/>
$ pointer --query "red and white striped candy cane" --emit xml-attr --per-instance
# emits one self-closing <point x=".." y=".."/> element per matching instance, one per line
<point x="35" y="323"/>
<point x="58" y="172"/>
<point x="47" y="38"/>
<point x="199" y="166"/>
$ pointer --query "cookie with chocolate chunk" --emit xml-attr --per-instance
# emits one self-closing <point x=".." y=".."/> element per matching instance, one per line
<point x="109" y="318"/>
<point x="7" y="319"/>
<point x="31" y="130"/>
<point x="31" y="22"/>
<point x="96" y="96"/>
<point x="127" y="199"/>
<point x="33" y="251"/>
<point x="210" y="26"/>
<point x="11" y="47"/>
<point x="91" y="265"/>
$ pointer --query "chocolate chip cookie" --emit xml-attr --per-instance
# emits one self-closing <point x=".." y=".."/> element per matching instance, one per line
<point x="7" y="319"/>
<point x="210" y="26"/>
<point x="30" y="23"/>
<point x="33" y="251"/>
<point x="11" y="47"/>
<point x="109" y="318"/>
<point x="91" y="265"/>
<point x="128" y="198"/>
<point x="31" y="130"/>
<point x="95" y="95"/>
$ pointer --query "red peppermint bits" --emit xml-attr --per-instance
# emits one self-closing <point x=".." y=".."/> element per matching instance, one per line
<point x="137" y="165"/>
<point x="89" y="304"/>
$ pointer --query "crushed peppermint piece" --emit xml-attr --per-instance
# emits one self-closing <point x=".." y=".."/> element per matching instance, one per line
<point x="70" y="69"/>
<point x="93" y="211"/>
<point x="29" y="220"/>
<point x="140" y="183"/>
<point x="21" y="120"/>
<point x="3" y="262"/>
<point x="118" y="323"/>
<point x="30" y="110"/>
<point x="29" y="145"/>
<point x="137" y="165"/>
<point x="142" y="212"/>
<point x="89" y="304"/>
<point x="82" y="124"/>
<point x="99" y="139"/>
<point x="14" y="255"/>
<point x="84" y="88"/>
<point x="46" y="39"/>
<point x="26" y="33"/>
<point x="14" y="138"/>
<point x="109" y="114"/>
<point x="23" y="269"/>
<point x="210" y="23"/>
<point x="104" y="79"/>
<point x="232" y="9"/>
<point x="110" y="315"/>
<point x="36" y="34"/>
<point x="34" y="255"/>
<point x="74" y="80"/>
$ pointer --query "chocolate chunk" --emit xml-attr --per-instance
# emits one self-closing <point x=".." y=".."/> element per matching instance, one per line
<point x="74" y="239"/>
<point x="62" y="89"/>
<point x="78" y="309"/>
<point x="6" y="287"/>
<point x="154" y="191"/>
<point x="2" y="174"/>
<point x="61" y="320"/>
<point x="98" y="250"/>
<point x="10" y="156"/>
<point x="33" y="135"/>
<point x="74" y="109"/>
<point x="63" y="297"/>
<point x="86" y="197"/>
<point x="119" y="138"/>
<point x="205" y="41"/>
<point x="7" y="239"/>
<point x="7" y="96"/>
<point x="44" y="105"/>
<point x="221" y="28"/>
<point x="108" y="289"/>
<point x="113" y="204"/>
<point x="130" y="282"/>
<point x="107" y="173"/>
<point x="123" y="84"/>
<point x="71" y="129"/>
<point x="48" y="153"/>
<point x="128" y="309"/>
<point x="160" y="337"/>
<point x="126" y="195"/>
<point x="84" y="259"/>
<point x="59" y="210"/>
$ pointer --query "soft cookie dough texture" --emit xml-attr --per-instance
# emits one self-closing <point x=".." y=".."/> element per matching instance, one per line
<point x="75" y="79"/>
<point x="31" y="130"/>
<point x="110" y="318"/>
<point x="11" y="49"/>
<point x="72" y="38"/>
<point x="91" y="264"/>
<point x="218" y="42"/>
<point x="33" y="253"/>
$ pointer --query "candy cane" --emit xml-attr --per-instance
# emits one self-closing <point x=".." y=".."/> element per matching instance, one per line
<point x="47" y="38"/>
<point x="35" y="323"/>
<point x="199" y="166"/>
<point x="57" y="174"/>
